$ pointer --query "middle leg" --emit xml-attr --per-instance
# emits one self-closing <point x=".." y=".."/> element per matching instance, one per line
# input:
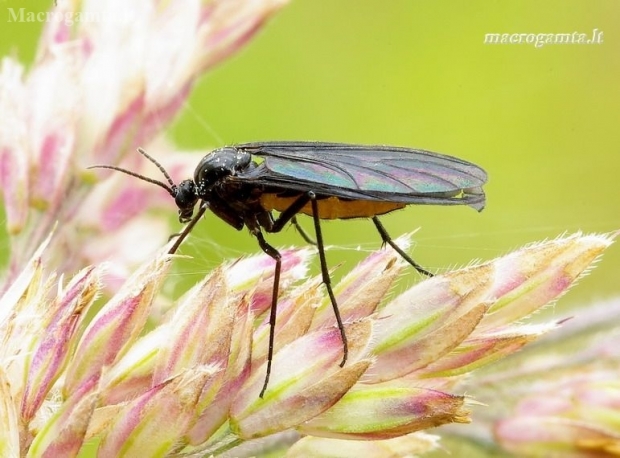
<point x="288" y="215"/>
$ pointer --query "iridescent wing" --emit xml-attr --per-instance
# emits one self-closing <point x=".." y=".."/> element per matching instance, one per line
<point x="360" y="172"/>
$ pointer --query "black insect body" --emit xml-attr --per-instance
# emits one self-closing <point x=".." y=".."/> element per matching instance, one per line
<point x="322" y="180"/>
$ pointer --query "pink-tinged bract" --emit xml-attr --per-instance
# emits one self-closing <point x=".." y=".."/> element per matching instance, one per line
<point x="117" y="324"/>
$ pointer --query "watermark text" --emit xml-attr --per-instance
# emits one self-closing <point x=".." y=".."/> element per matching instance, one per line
<point x="66" y="17"/>
<point x="538" y="40"/>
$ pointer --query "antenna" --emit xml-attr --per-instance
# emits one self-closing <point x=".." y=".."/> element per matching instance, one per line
<point x="172" y="189"/>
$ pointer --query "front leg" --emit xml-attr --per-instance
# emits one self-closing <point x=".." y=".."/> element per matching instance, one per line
<point x="217" y="206"/>
<point x="183" y="235"/>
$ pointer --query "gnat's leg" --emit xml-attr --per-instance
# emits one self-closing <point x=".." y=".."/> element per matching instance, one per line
<point x="271" y="251"/>
<point x="288" y="215"/>
<point x="387" y="239"/>
<point x="201" y="211"/>
<point x="302" y="232"/>
<point x="325" y="274"/>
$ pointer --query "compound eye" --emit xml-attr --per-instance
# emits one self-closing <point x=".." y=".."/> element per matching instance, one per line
<point x="186" y="199"/>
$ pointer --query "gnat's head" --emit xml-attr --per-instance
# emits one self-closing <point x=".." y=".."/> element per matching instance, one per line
<point x="185" y="195"/>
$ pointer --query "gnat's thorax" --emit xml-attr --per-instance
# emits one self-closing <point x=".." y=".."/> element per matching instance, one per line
<point x="217" y="165"/>
<point x="212" y="168"/>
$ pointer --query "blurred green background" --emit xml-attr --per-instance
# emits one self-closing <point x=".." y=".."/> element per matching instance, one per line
<point x="542" y="121"/>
